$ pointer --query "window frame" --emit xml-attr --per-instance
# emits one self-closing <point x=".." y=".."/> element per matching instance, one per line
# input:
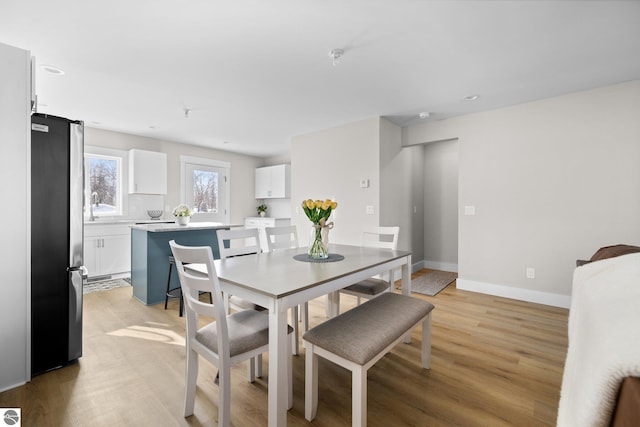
<point x="122" y="158"/>
<point x="200" y="161"/>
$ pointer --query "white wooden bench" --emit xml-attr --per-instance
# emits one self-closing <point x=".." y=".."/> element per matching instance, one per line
<point x="360" y="337"/>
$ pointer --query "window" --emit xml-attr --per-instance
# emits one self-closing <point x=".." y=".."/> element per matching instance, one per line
<point x="205" y="189"/>
<point x="205" y="186"/>
<point x="103" y="185"/>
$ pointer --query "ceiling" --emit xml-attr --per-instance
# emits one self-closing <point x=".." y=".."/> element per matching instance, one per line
<point x="255" y="73"/>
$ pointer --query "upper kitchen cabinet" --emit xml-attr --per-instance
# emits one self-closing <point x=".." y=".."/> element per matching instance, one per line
<point x="147" y="172"/>
<point x="272" y="182"/>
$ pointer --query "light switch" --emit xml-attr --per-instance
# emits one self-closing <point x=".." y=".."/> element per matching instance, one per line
<point x="370" y="210"/>
<point x="364" y="183"/>
<point x="469" y="210"/>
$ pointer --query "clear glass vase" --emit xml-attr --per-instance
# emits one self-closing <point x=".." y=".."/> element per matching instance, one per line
<point x="319" y="242"/>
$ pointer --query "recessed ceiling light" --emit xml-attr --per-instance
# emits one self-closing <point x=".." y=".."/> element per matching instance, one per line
<point x="336" y="54"/>
<point x="471" y="97"/>
<point x="52" y="69"/>
<point x="424" y="115"/>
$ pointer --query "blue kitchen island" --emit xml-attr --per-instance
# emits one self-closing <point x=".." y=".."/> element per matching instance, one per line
<point x="150" y="253"/>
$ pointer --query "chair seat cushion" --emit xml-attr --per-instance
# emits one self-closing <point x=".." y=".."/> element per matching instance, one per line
<point x="248" y="330"/>
<point x="369" y="286"/>
<point x="363" y="332"/>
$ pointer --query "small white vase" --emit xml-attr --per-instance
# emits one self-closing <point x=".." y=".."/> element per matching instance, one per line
<point x="262" y="213"/>
<point x="183" y="220"/>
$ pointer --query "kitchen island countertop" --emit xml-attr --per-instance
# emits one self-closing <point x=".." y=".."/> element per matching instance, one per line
<point x="172" y="226"/>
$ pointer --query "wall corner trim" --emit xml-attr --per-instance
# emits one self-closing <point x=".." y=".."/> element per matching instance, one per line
<point x="555" y="300"/>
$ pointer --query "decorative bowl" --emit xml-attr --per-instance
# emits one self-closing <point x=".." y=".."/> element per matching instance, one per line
<point x="155" y="214"/>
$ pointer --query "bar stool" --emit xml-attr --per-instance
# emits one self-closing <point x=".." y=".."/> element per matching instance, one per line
<point x="173" y="292"/>
<point x="177" y="292"/>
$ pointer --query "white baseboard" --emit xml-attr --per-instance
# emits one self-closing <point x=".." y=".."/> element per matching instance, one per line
<point x="417" y="266"/>
<point x="555" y="300"/>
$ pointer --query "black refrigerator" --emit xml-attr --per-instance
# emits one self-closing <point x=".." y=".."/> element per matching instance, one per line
<point x="57" y="188"/>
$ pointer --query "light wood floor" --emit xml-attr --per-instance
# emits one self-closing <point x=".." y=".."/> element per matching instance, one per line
<point x="495" y="362"/>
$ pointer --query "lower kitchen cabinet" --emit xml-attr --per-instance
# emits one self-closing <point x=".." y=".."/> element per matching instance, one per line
<point x="107" y="249"/>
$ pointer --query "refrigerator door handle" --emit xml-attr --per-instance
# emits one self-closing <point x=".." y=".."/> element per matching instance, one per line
<point x="76" y="193"/>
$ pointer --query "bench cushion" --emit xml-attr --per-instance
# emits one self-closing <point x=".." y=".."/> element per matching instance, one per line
<point x="363" y="332"/>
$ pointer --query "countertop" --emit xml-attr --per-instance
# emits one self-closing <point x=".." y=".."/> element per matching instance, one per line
<point x="127" y="221"/>
<point x="172" y="226"/>
<point x="267" y="217"/>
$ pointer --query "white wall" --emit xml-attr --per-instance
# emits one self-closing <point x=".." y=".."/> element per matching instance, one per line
<point x="551" y="180"/>
<point x="242" y="194"/>
<point x="441" y="205"/>
<point x="397" y="187"/>
<point x="330" y="164"/>
<point x="15" y="137"/>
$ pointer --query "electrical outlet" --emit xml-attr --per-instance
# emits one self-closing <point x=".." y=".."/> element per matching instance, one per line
<point x="469" y="210"/>
<point x="370" y="210"/>
<point x="531" y="273"/>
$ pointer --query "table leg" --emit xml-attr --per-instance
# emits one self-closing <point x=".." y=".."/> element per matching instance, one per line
<point x="279" y="350"/>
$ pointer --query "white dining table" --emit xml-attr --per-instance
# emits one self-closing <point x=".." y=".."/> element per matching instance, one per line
<point x="278" y="282"/>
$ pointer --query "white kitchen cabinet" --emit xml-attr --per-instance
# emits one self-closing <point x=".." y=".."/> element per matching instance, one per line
<point x="261" y="223"/>
<point x="147" y="172"/>
<point x="272" y="182"/>
<point x="107" y="249"/>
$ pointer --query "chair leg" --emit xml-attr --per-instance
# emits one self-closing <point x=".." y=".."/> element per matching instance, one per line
<point x="181" y="309"/>
<point x="295" y="345"/>
<point x="310" y="383"/>
<point x="304" y="314"/>
<point x="290" y="376"/>
<point x="191" y="377"/>
<point x="224" y="405"/>
<point x="166" y="294"/>
<point x="259" y="366"/>
<point x="251" y="369"/>
<point x="426" y="342"/>
<point x="327" y="305"/>
<point x="333" y="304"/>
<point x="359" y="397"/>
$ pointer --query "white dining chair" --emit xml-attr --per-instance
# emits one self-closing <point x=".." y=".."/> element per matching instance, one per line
<point x="225" y="342"/>
<point x="286" y="237"/>
<point x="238" y="242"/>
<point x="374" y="237"/>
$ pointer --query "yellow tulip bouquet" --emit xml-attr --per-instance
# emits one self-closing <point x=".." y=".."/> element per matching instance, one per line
<point x="318" y="212"/>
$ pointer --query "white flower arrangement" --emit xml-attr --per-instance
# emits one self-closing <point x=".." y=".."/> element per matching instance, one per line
<point x="181" y="210"/>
